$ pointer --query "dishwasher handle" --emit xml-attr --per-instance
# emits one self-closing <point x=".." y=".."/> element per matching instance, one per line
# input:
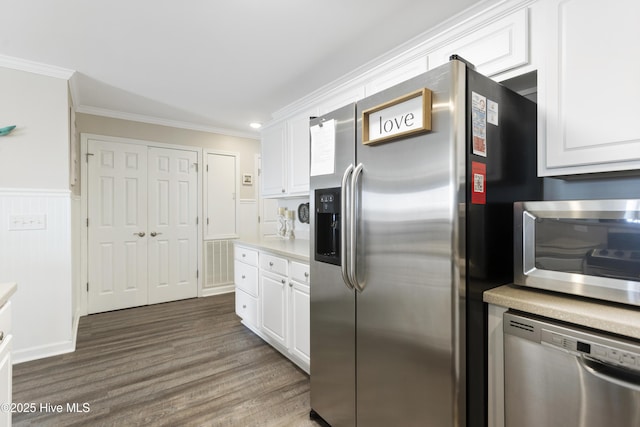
<point x="610" y="373"/>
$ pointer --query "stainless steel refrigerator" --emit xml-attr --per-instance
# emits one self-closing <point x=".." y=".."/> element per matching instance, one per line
<point x="409" y="228"/>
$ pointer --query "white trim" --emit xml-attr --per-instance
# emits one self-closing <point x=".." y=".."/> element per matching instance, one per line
<point x="35" y="192"/>
<point x="84" y="235"/>
<point x="467" y="21"/>
<point x="103" y="112"/>
<point x="219" y="290"/>
<point x="34" y="353"/>
<point x="35" y="67"/>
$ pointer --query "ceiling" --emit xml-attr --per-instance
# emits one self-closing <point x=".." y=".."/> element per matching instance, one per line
<point x="209" y="64"/>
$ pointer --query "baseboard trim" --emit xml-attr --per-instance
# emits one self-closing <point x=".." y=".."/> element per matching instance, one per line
<point x="34" y="353"/>
<point x="218" y="290"/>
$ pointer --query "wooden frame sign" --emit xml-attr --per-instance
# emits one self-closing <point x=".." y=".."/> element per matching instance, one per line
<point x="403" y="116"/>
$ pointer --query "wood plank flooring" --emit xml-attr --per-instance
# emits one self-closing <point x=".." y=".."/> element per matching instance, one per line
<point x="183" y="363"/>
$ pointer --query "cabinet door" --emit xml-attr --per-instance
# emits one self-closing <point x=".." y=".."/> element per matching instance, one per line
<point x="273" y="314"/>
<point x="299" y="305"/>
<point x="588" y="87"/>
<point x="273" y="161"/>
<point x="494" y="48"/>
<point x="5" y="378"/>
<point x="298" y="133"/>
<point x="391" y="77"/>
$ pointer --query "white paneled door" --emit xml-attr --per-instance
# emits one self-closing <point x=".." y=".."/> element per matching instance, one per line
<point x="117" y="197"/>
<point x="142" y="237"/>
<point x="172" y="225"/>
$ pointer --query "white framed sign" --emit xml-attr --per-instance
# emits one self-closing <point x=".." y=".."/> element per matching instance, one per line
<point x="403" y="116"/>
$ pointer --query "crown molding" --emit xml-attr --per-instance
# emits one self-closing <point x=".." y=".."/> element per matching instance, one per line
<point x="472" y="18"/>
<point x="103" y="112"/>
<point x="35" y="67"/>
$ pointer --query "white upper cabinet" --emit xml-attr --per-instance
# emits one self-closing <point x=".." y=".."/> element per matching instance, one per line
<point x="494" y="48"/>
<point x="341" y="99"/>
<point x="398" y="74"/>
<point x="285" y="157"/>
<point x="298" y="154"/>
<point x="274" y="173"/>
<point x="589" y="87"/>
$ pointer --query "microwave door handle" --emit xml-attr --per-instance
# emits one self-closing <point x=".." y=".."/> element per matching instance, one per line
<point x="353" y="225"/>
<point x="609" y="373"/>
<point x="344" y="225"/>
<point x="528" y="243"/>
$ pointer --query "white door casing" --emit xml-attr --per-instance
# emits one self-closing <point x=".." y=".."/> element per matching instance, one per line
<point x="117" y="212"/>
<point x="172" y="225"/>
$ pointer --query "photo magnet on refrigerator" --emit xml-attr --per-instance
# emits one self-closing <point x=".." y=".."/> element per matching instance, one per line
<point x="478" y="183"/>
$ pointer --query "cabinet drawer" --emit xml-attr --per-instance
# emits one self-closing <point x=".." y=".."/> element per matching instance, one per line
<point x="246" y="255"/>
<point x="274" y="264"/>
<point x="300" y="272"/>
<point x="246" y="277"/>
<point x="5" y="318"/>
<point x="247" y="307"/>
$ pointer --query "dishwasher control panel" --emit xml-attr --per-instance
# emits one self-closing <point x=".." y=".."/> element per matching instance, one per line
<point x="611" y="355"/>
<point x="576" y="340"/>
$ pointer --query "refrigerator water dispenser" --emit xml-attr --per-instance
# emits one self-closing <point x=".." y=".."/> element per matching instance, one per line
<point x="327" y="238"/>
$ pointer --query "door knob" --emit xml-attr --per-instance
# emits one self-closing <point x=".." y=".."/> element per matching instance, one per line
<point x="140" y="234"/>
<point x="154" y="234"/>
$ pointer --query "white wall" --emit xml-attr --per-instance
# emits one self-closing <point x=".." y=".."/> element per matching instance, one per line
<point x="36" y="153"/>
<point x="34" y="179"/>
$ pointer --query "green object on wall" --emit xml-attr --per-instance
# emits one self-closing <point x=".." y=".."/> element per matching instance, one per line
<point x="6" y="130"/>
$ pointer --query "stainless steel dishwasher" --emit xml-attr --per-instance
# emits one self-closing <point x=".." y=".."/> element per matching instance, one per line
<point x="559" y="375"/>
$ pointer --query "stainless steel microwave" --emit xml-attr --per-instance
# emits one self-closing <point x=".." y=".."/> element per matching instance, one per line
<point x="589" y="248"/>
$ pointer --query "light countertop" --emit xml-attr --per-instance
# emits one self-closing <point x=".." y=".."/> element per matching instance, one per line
<point x="609" y="317"/>
<point x="294" y="248"/>
<point x="6" y="290"/>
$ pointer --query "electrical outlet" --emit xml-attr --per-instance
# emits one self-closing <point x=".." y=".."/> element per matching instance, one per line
<point x="27" y="222"/>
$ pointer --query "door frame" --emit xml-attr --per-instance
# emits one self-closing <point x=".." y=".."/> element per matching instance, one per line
<point x="84" y="211"/>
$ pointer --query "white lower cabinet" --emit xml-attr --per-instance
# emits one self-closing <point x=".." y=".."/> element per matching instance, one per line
<point x="273" y="303"/>
<point x="5" y="362"/>
<point x="245" y="273"/>
<point x="272" y="298"/>
<point x="299" y="311"/>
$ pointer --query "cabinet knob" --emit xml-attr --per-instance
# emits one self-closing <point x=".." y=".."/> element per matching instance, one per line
<point x="290" y="285"/>
<point x="270" y="264"/>
<point x="306" y="274"/>
<point x="244" y="255"/>
<point x="243" y="276"/>
<point x="283" y="281"/>
<point x="283" y="190"/>
<point x="244" y="305"/>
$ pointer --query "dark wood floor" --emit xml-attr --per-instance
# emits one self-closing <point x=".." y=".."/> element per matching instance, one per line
<point x="184" y="363"/>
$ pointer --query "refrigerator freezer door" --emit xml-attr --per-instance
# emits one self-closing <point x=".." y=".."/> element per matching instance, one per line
<point x="407" y="263"/>
<point x="332" y="301"/>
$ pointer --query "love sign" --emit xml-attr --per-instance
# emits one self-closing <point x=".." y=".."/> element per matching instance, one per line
<point x="400" y="117"/>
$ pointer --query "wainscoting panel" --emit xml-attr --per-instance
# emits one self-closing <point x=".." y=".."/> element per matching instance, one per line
<point x="35" y="252"/>
<point x="218" y="267"/>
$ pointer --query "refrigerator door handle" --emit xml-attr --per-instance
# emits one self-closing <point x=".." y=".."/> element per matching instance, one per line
<point x="344" y="225"/>
<point x="353" y="225"/>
